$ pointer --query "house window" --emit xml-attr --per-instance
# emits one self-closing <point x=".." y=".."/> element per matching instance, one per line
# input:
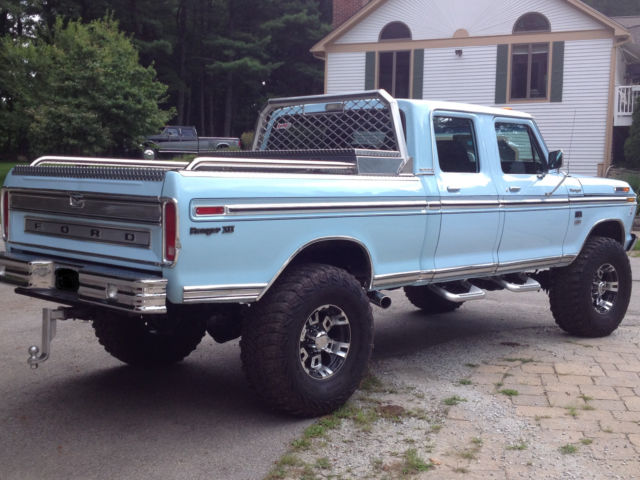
<point x="393" y="75"/>
<point x="395" y="31"/>
<point x="529" y="70"/>
<point x="532" y="22"/>
<point x="394" y="67"/>
<point x="530" y="61"/>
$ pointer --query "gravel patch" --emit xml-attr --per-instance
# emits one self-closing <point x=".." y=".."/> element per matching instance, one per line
<point x="459" y="429"/>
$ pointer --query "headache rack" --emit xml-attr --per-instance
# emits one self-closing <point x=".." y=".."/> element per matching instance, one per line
<point x="349" y="134"/>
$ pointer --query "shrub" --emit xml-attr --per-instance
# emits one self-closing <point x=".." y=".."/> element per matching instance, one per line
<point x="247" y="140"/>
<point x="632" y="144"/>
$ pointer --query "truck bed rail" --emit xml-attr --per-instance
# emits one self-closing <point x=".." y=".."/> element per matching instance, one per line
<point x="344" y="161"/>
<point x="108" y="162"/>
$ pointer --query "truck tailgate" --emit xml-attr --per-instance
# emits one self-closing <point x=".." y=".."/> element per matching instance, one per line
<point x="109" y="216"/>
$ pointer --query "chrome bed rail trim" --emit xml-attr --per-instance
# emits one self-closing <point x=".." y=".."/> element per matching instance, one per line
<point x="111" y="162"/>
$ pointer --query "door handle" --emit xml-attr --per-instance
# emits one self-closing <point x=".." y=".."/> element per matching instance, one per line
<point x="453" y="189"/>
<point x="514" y="189"/>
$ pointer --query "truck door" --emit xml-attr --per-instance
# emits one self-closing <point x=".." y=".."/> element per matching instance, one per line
<point x="470" y="220"/>
<point x="534" y="201"/>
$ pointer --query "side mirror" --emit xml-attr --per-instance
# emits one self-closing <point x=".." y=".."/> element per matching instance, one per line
<point x="555" y="160"/>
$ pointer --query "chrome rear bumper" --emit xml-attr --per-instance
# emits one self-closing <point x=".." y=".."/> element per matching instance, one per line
<point x="115" y="288"/>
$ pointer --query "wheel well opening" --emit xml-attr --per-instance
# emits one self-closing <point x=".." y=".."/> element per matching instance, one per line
<point x="610" y="229"/>
<point x="340" y="253"/>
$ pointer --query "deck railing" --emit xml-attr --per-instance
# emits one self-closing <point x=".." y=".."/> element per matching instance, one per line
<point x="626" y="98"/>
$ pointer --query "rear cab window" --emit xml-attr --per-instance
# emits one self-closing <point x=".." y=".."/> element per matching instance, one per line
<point x="456" y="143"/>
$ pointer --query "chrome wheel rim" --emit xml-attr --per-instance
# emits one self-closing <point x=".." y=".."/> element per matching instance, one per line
<point x="604" y="288"/>
<point x="325" y="341"/>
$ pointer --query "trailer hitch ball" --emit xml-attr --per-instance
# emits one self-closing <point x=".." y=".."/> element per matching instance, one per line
<point x="49" y="318"/>
<point x="33" y="356"/>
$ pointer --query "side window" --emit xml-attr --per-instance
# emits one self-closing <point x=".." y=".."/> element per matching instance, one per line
<point x="172" y="132"/>
<point x="519" y="150"/>
<point x="456" y="144"/>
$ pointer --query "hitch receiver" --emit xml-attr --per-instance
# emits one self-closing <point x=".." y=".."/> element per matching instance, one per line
<point x="49" y="318"/>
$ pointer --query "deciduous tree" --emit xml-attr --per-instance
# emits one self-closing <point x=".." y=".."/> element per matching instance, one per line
<point x="84" y="93"/>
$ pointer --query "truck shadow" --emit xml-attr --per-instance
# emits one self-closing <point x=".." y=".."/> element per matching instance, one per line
<point x="209" y="389"/>
<point x="415" y="332"/>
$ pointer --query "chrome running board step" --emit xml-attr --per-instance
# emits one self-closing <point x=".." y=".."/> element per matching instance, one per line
<point x="528" y="285"/>
<point x="472" y="292"/>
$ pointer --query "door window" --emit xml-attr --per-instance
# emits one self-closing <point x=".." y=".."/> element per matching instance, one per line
<point x="519" y="150"/>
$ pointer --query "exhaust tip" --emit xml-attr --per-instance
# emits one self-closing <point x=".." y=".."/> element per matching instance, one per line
<point x="379" y="299"/>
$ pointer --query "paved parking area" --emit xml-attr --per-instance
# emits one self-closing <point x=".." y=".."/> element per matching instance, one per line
<point x="492" y="391"/>
<point x="533" y="403"/>
<point x="579" y="400"/>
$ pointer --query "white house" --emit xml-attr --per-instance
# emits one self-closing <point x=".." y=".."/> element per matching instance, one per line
<point x="559" y="60"/>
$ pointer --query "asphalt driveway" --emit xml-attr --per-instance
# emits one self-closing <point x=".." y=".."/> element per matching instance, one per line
<point x="83" y="414"/>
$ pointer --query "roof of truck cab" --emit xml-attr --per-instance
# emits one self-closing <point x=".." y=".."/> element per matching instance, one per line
<point x="467" y="108"/>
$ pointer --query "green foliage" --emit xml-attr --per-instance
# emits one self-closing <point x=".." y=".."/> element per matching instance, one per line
<point x="632" y="144"/>
<point x="518" y="446"/>
<point x="247" y="140"/>
<point x="568" y="449"/>
<point x="220" y="59"/>
<point x="509" y="392"/>
<point x="413" y="464"/>
<point x="454" y="400"/>
<point x="4" y="169"/>
<point x="83" y="94"/>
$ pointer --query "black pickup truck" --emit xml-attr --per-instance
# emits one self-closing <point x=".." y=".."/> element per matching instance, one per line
<point x="180" y="140"/>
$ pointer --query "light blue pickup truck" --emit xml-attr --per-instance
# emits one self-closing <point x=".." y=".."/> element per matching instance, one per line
<point x="287" y="246"/>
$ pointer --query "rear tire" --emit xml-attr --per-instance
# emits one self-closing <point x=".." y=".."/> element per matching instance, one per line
<point x="142" y="342"/>
<point x="589" y="298"/>
<point x="428" y="301"/>
<point x="306" y="345"/>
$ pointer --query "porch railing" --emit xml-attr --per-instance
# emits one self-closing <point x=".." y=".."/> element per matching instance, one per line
<point x="626" y="98"/>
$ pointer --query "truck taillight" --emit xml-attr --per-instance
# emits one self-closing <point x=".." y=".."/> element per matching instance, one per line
<point x="170" y="215"/>
<point x="4" y="201"/>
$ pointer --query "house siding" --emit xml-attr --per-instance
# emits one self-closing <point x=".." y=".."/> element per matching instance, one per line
<point x="345" y="72"/>
<point x="436" y="19"/>
<point x="576" y="122"/>
<point x="469" y="78"/>
<point x="578" y="125"/>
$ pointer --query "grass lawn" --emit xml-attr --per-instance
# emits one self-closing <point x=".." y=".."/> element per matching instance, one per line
<point x="4" y="169"/>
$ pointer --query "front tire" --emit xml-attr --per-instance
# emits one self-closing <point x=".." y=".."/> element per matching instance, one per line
<point x="143" y="342"/>
<point x="589" y="298"/>
<point x="306" y="345"/>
